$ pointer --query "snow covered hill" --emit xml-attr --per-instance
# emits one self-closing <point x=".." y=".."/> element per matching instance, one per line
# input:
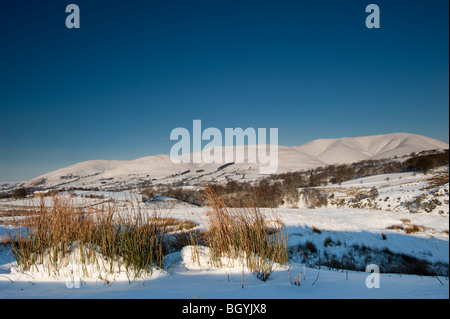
<point x="114" y="174"/>
<point x="349" y="150"/>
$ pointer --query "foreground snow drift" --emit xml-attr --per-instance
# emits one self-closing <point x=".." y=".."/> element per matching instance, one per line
<point x="188" y="279"/>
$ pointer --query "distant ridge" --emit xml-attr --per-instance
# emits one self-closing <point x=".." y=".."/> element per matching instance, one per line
<point x="352" y="149"/>
<point x="160" y="168"/>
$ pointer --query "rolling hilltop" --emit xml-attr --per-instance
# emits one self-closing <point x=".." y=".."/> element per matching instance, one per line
<point x="116" y="174"/>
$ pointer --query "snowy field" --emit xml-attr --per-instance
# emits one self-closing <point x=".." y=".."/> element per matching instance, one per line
<point x="335" y="232"/>
<point x="187" y="280"/>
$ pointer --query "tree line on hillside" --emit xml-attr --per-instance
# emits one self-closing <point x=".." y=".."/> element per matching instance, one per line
<point x="277" y="189"/>
<point x="18" y="193"/>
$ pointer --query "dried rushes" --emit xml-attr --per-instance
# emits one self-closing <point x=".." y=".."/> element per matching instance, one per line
<point x="112" y="240"/>
<point x="136" y="240"/>
<point x="244" y="233"/>
<point x="50" y="232"/>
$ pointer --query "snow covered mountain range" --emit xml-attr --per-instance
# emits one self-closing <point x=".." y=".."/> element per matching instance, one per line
<point x="113" y="174"/>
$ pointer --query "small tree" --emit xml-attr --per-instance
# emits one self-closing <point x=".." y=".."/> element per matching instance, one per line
<point x="20" y="193"/>
<point x="373" y="192"/>
<point x="424" y="164"/>
<point x="148" y="194"/>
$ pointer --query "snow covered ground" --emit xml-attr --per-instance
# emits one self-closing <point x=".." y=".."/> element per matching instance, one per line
<point x="187" y="280"/>
<point x="360" y="236"/>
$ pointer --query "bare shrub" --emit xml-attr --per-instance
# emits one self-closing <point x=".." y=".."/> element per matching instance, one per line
<point x="315" y="198"/>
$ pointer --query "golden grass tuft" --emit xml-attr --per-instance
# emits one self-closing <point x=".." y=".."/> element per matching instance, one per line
<point x="244" y="233"/>
<point x="135" y="238"/>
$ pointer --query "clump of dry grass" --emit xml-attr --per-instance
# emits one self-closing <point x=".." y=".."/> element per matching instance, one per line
<point x="138" y="239"/>
<point x="399" y="227"/>
<point x="407" y="227"/>
<point x="134" y="238"/>
<point x="244" y="233"/>
<point x="414" y="229"/>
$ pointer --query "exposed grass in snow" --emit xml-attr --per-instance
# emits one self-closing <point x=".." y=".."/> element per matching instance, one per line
<point x="133" y="240"/>
<point x="107" y="240"/>
<point x="245" y="233"/>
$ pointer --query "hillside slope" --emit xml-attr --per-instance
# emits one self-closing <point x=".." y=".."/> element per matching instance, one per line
<point x="160" y="168"/>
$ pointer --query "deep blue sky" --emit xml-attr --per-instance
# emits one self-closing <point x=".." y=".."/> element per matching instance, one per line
<point x="135" y="70"/>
